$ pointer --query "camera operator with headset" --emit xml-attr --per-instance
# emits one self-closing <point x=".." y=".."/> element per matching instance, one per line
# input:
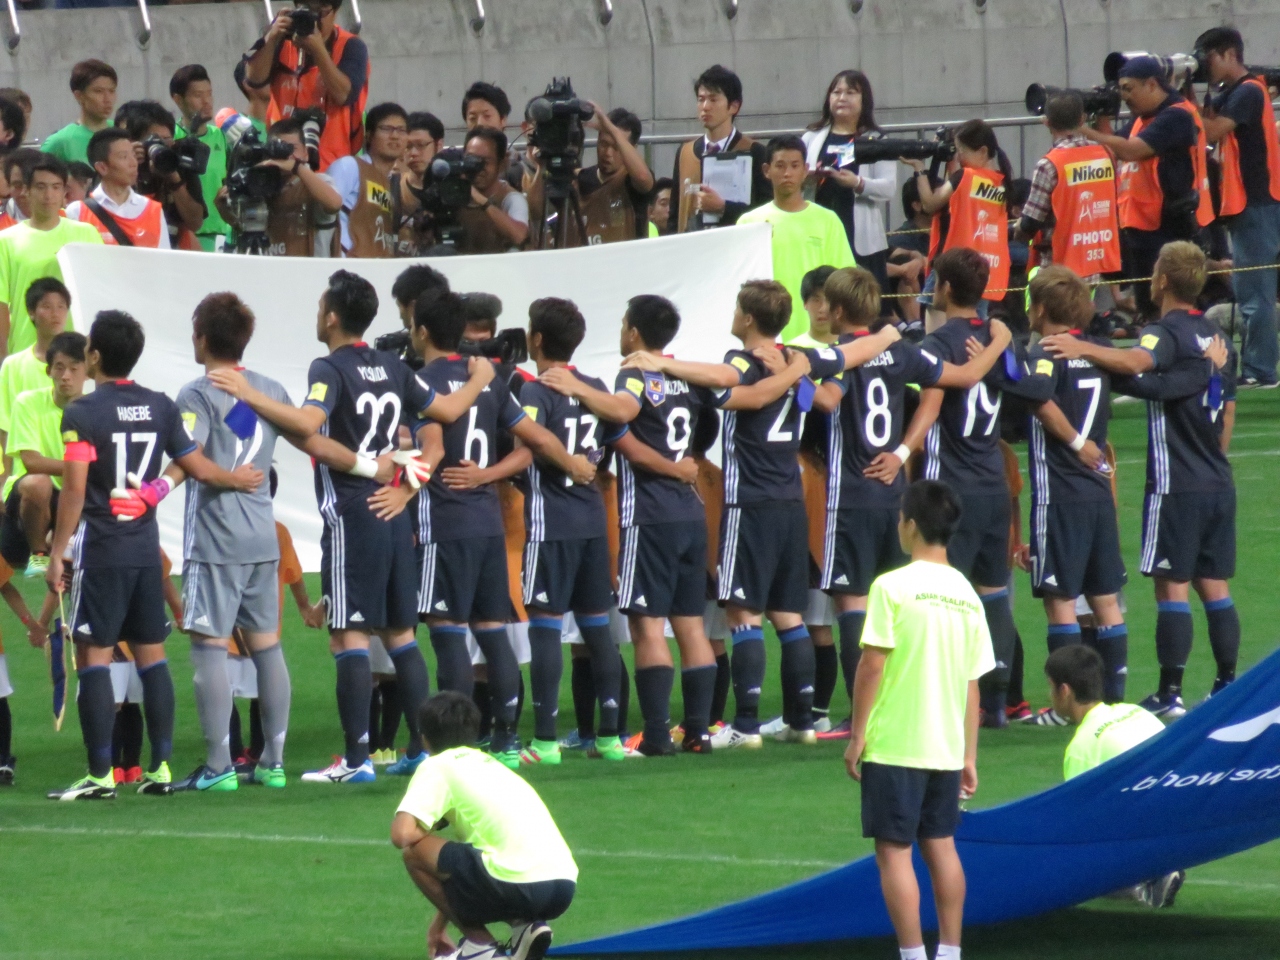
<point x="1164" y="185"/>
<point x="309" y="61"/>
<point x="122" y="216"/>
<point x="364" y="184"/>
<point x="1073" y="193"/>
<point x="171" y="179"/>
<point x="302" y="214"/>
<point x="1242" y="123"/>
<point x="411" y="223"/>
<point x="497" y="220"/>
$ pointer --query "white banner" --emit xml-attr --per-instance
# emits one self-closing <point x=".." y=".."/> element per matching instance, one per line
<point x="700" y="272"/>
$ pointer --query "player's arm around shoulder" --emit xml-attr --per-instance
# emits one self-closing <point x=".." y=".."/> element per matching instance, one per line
<point x="763" y="391"/>
<point x="717" y="376"/>
<point x="447" y="408"/>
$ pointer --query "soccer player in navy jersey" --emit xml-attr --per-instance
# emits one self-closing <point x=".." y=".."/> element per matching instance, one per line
<point x="663" y="557"/>
<point x="464" y="552"/>
<point x="359" y="397"/>
<point x="566" y="559"/>
<point x="868" y="443"/>
<point x="118" y="432"/>
<point x="1189" y="529"/>
<point x="764" y="542"/>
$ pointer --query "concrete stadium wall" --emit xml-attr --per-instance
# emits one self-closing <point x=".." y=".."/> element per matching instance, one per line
<point x="927" y="59"/>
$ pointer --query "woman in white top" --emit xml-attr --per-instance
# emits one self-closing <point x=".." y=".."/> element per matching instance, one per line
<point x="855" y="193"/>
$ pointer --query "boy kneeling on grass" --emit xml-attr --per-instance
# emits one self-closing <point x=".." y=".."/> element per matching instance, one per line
<point x="508" y="864"/>
<point x="915" y="717"/>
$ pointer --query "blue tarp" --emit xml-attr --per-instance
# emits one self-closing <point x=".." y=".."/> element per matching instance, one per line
<point x="1207" y="787"/>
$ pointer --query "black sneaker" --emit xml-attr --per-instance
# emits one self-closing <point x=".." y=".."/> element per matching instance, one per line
<point x="650" y="749"/>
<point x="696" y="744"/>
<point x="6" y="771"/>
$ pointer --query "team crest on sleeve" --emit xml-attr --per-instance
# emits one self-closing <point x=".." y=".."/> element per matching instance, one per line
<point x="318" y="392"/>
<point x="70" y="436"/>
<point x="532" y="413"/>
<point x="1044" y="367"/>
<point x="1149" y="341"/>
<point x="189" y="421"/>
<point x="741" y="363"/>
<point x="655" y="388"/>
<point x="634" y="387"/>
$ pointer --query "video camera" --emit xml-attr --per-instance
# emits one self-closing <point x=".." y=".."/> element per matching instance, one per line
<point x="401" y="344"/>
<point x="1099" y="100"/>
<point x="251" y="186"/>
<point x="446" y="189"/>
<point x="558" y="116"/>
<point x="506" y="348"/>
<point x="187" y="155"/>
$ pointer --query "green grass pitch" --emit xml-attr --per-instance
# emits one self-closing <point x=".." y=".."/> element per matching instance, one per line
<point x="308" y="872"/>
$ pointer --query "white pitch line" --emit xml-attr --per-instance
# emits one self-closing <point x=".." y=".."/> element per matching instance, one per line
<point x="369" y="842"/>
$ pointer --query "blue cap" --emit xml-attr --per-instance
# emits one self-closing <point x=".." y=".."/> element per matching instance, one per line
<point x="1144" y="68"/>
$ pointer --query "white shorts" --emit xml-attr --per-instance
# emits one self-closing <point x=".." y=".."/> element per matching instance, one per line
<point x="821" y="611"/>
<point x="243" y="676"/>
<point x="125" y="682"/>
<point x="6" y="688"/>
<point x="517" y="634"/>
<point x="618" y="627"/>
<point x="1084" y="610"/>
<point x="714" y="622"/>
<point x="379" y="660"/>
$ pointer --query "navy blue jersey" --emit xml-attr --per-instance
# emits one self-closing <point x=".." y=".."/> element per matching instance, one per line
<point x="1083" y="392"/>
<point x="556" y="508"/>
<point x="445" y="514"/>
<point x="366" y="395"/>
<point x="869" y="421"/>
<point x="1184" y="452"/>
<point x="963" y="447"/>
<point x="669" y="408"/>
<point x="129" y="427"/>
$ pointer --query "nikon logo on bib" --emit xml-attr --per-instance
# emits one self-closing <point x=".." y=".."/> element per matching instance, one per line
<point x="377" y="195"/>
<point x="1090" y="171"/>
<point x="982" y="189"/>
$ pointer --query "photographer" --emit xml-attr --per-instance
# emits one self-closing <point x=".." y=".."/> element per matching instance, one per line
<point x="1082" y="205"/>
<point x="298" y="216"/>
<point x="1164" y="185"/>
<point x="719" y="94"/>
<point x="411" y="224"/>
<point x="121" y="216"/>
<point x="309" y="61"/>
<point x="192" y="91"/>
<point x="615" y="192"/>
<point x="1243" y="125"/>
<point x="364" y="184"/>
<point x="498" y="218"/>
<point x="178" y="192"/>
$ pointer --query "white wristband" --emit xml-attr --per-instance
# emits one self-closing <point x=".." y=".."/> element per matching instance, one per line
<point x="366" y="467"/>
<point x="903" y="452"/>
<point x="1078" y="443"/>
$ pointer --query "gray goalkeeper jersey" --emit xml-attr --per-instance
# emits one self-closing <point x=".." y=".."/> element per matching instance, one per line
<point x="224" y="526"/>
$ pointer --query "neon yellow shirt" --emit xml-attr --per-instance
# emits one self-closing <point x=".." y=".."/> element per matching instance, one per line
<point x="808" y="238"/>
<point x="37" y="426"/>
<point x="653" y="229"/>
<point x="1107" y="730"/>
<point x="807" y="341"/>
<point x="71" y="143"/>
<point x="26" y="255"/>
<point x="931" y="622"/>
<point x="19" y="373"/>
<point x="494" y="810"/>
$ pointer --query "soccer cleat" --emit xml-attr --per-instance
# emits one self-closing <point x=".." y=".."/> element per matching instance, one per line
<point x="117" y="774"/>
<point x="339" y="772"/>
<point x="158" y="782"/>
<point x="840" y="731"/>
<point x="608" y="748"/>
<point x="716" y="727"/>
<point x="508" y="758"/>
<point x="995" y="720"/>
<point x="1045" y="717"/>
<point x="468" y="950"/>
<point x="731" y="737"/>
<point x="1168" y="707"/>
<point x="1219" y="684"/>
<point x="89" y="788"/>
<point x="206" y="778"/>
<point x="792" y="735"/>
<point x="132" y="775"/>
<point x="646" y="748"/>
<point x="37" y="566"/>
<point x="541" y="752"/>
<point x="272" y="776"/>
<point x="698" y="744"/>
<point x="243" y="766"/>
<point x="1165" y="890"/>
<point x="1019" y="712"/>
<point x="529" y="941"/>
<point x="677" y="734"/>
<point x="575" y="741"/>
<point x="384" y="758"/>
<point x="6" y="771"/>
<point x="822" y="725"/>
<point x="773" y="727"/>
<point x="406" y="765"/>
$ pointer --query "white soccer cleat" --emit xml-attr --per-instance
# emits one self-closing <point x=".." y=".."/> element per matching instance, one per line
<point x="529" y="941"/>
<point x="339" y="772"/>
<point x="730" y="737"/>
<point x="773" y="727"/>
<point x="789" y="734"/>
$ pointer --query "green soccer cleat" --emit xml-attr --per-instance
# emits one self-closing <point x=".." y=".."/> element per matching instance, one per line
<point x="540" y="752"/>
<point x="89" y="788"/>
<point x="272" y="776"/>
<point x="608" y="748"/>
<point x="205" y="778"/>
<point x="509" y="758"/>
<point x="36" y="566"/>
<point x="158" y="782"/>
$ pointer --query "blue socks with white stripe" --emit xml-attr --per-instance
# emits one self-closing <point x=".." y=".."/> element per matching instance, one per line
<point x="798" y="668"/>
<point x="158" y="707"/>
<point x="413" y="685"/>
<point x="748" y="676"/>
<point x="1224" y="638"/>
<point x="546" y="664"/>
<point x="355" y="687"/>
<point x="606" y="668"/>
<point x="97" y="708"/>
<point x="1173" y="644"/>
<point x="1112" y="645"/>
<point x="453" y="660"/>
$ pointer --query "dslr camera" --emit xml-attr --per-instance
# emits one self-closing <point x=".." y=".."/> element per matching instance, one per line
<point x="506" y="348"/>
<point x="304" y="23"/>
<point x="558" y="116"/>
<point x="187" y="155"/>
